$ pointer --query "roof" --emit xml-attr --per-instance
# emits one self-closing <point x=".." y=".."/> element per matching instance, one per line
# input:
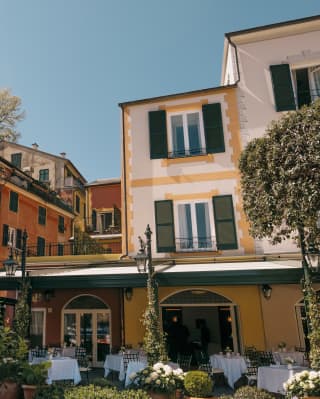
<point x="121" y="274"/>
<point x="275" y="25"/>
<point x="170" y="96"/>
<point x="9" y="143"/>
<point x="101" y="182"/>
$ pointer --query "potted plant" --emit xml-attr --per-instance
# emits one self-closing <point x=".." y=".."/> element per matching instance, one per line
<point x="13" y="352"/>
<point x="160" y="380"/>
<point x="33" y="376"/>
<point x="304" y="384"/>
<point x="198" y="384"/>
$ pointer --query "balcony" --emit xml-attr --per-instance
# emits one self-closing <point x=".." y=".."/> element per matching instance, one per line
<point x="196" y="244"/>
<point x="84" y="247"/>
<point x="193" y="152"/>
<point x="72" y="182"/>
<point x="94" y="228"/>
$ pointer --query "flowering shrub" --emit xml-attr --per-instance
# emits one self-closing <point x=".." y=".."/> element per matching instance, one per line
<point x="158" y="378"/>
<point x="306" y="383"/>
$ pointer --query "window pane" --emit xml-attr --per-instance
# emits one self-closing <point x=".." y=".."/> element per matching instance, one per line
<point x="36" y="328"/>
<point x="16" y="160"/>
<point x="177" y="135"/>
<point x="194" y="133"/>
<point x="203" y="225"/>
<point x="44" y="175"/>
<point x="185" y="226"/>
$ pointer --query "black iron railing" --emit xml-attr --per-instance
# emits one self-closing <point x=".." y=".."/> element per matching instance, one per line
<point x="185" y="244"/>
<point x="84" y="247"/>
<point x="192" y="152"/>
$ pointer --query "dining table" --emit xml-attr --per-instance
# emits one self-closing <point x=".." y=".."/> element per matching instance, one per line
<point x="232" y="365"/>
<point x="113" y="362"/>
<point x="62" y="368"/>
<point x="271" y="378"/>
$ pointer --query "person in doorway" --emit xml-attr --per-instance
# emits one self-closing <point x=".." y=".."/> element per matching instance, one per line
<point x="204" y="336"/>
<point x="178" y="336"/>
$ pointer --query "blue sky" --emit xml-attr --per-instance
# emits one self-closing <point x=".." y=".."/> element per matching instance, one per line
<point x="73" y="61"/>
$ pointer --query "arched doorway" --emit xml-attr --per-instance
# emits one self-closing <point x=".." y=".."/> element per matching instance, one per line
<point x="86" y="321"/>
<point x="192" y="307"/>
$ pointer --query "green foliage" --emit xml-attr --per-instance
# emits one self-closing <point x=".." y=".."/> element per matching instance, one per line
<point x="53" y="391"/>
<point x="154" y="342"/>
<point x="280" y="175"/>
<point x="248" y="392"/>
<point x="13" y="353"/>
<point x="102" y="382"/>
<point x="10" y="114"/>
<point x="198" y="384"/>
<point x="96" y="392"/>
<point x="34" y="374"/>
<point x="313" y="313"/>
<point x="84" y="244"/>
<point x="22" y="317"/>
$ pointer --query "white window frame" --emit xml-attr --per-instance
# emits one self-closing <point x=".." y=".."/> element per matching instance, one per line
<point x="312" y="85"/>
<point x="185" y="133"/>
<point x="192" y="204"/>
<point x="12" y="237"/>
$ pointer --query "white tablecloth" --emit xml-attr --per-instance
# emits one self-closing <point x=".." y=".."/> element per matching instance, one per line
<point x="62" y="368"/>
<point x="133" y="367"/>
<point x="113" y="363"/>
<point x="233" y="366"/>
<point x="298" y="357"/>
<point x="271" y="378"/>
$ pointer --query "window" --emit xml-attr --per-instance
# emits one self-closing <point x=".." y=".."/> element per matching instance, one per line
<point x="5" y="235"/>
<point x="60" y="249"/>
<point x="77" y="204"/>
<point x="42" y="215"/>
<point x="41" y="245"/>
<point x="196" y="225"/>
<point x="294" y="88"/>
<point x="61" y="224"/>
<point x="13" y="202"/>
<point x="186" y="134"/>
<point x="44" y="175"/>
<point x="16" y="159"/>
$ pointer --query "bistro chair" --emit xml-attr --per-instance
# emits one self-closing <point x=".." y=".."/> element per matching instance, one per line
<point x="70" y="351"/>
<point x="129" y="357"/>
<point x="184" y="360"/>
<point x="39" y="352"/>
<point x="265" y="358"/>
<point x="252" y="375"/>
<point x="83" y="360"/>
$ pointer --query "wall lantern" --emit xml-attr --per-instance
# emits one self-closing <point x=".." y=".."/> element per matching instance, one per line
<point x="128" y="292"/>
<point x="266" y="291"/>
<point x="10" y="266"/>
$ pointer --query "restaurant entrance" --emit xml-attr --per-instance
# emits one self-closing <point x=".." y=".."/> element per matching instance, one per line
<point x="86" y="323"/>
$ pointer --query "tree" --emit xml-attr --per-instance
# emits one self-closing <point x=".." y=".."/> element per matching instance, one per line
<point x="10" y="114"/>
<point x="280" y="175"/>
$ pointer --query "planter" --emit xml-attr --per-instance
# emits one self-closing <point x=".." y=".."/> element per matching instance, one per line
<point x="9" y="390"/>
<point x="161" y="395"/>
<point x="29" y="391"/>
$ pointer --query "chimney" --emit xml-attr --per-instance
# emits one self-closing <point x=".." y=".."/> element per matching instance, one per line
<point x="35" y="146"/>
<point x="63" y="154"/>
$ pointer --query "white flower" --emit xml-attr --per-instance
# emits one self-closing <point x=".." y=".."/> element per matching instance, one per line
<point x="132" y="376"/>
<point x="148" y="380"/>
<point x="158" y="366"/>
<point x="154" y="375"/>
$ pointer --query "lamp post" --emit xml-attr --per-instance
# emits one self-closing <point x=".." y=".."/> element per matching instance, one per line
<point x="154" y="342"/>
<point x="23" y="306"/>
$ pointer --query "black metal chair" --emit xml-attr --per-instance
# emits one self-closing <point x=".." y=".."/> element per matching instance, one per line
<point x="83" y="359"/>
<point x="39" y="352"/>
<point x="184" y="361"/>
<point x="129" y="357"/>
<point x="265" y="358"/>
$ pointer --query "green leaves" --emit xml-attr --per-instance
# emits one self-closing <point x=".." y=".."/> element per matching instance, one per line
<point x="280" y="176"/>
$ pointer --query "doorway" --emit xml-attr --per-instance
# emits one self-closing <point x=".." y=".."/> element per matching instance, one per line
<point x="86" y="322"/>
<point x="192" y="308"/>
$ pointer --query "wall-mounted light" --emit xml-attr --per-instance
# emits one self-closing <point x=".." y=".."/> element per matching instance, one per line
<point x="266" y="291"/>
<point x="128" y="292"/>
<point x="48" y="294"/>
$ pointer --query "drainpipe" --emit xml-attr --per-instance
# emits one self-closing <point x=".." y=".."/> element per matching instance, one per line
<point x="124" y="184"/>
<point x="236" y="53"/>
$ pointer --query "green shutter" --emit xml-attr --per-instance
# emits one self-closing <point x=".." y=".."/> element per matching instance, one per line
<point x="42" y="215"/>
<point x="41" y="243"/>
<point x="5" y="235"/>
<point x="164" y="226"/>
<point x="213" y="127"/>
<point x="13" y="204"/>
<point x="224" y="222"/>
<point x="282" y="87"/>
<point x="158" y="134"/>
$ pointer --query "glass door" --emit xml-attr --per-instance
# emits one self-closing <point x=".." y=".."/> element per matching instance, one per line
<point x="103" y="336"/>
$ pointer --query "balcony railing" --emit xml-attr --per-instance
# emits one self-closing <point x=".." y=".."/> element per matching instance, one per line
<point x="192" y="152"/>
<point x="192" y="244"/>
<point x="95" y="228"/>
<point x="85" y="247"/>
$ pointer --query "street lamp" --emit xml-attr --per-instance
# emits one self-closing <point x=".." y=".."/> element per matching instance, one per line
<point x="11" y="265"/>
<point x="154" y="342"/>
